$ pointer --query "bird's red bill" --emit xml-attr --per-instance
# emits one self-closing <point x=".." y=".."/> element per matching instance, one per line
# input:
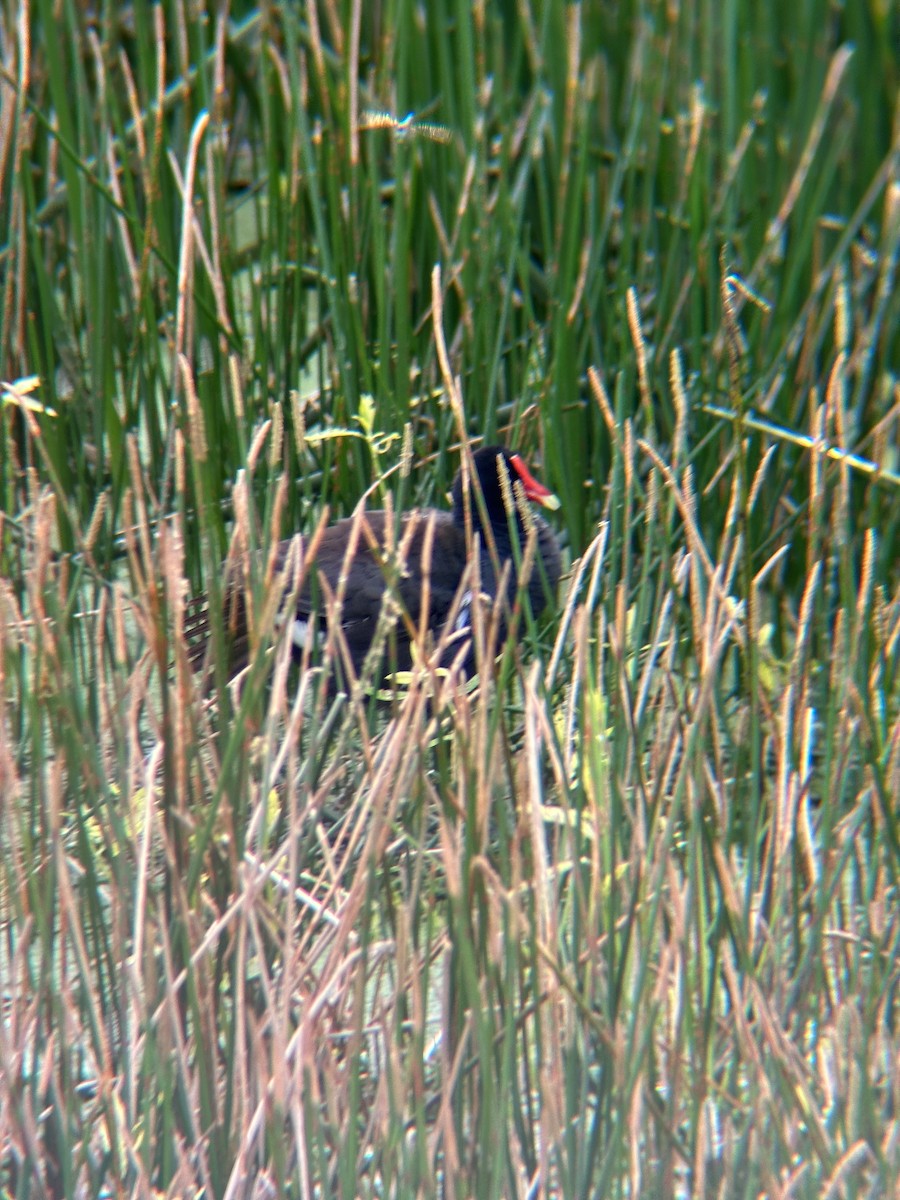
<point x="535" y="491"/>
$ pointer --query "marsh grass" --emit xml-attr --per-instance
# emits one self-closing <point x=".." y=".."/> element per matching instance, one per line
<point x="623" y="920"/>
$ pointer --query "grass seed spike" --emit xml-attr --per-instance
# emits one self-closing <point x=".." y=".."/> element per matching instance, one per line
<point x="406" y="126"/>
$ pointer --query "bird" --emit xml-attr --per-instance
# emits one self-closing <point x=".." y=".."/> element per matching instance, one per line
<point x="425" y="562"/>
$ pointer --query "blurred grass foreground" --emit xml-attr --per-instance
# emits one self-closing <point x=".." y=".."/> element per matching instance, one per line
<point x="623" y="920"/>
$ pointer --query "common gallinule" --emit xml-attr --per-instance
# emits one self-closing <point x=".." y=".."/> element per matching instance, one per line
<point x="429" y="568"/>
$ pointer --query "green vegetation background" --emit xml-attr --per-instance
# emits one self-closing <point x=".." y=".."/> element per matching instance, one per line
<point x="627" y="923"/>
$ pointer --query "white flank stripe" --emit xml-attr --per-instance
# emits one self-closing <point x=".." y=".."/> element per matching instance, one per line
<point x="464" y="616"/>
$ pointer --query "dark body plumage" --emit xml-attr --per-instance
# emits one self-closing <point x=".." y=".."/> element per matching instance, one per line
<point x="425" y="571"/>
